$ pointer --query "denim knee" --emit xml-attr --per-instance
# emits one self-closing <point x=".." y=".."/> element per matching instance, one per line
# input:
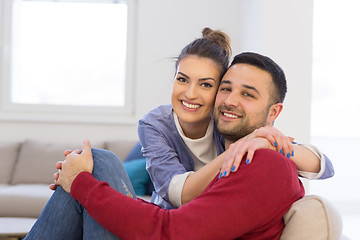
<point x="104" y="156"/>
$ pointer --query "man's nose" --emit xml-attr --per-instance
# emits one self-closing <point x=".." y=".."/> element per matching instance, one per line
<point x="232" y="99"/>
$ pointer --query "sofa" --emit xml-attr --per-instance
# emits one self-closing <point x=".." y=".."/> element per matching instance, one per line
<point x="27" y="168"/>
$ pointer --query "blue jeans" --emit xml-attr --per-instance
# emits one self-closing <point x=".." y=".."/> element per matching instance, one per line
<point x="64" y="218"/>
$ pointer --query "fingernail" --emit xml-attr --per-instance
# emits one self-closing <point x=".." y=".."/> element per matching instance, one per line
<point x="292" y="153"/>
<point x="275" y="143"/>
<point x="281" y="151"/>
<point x="220" y="175"/>
<point x="225" y="173"/>
<point x="247" y="161"/>
<point x="293" y="142"/>
<point x="288" y="155"/>
<point x="233" y="168"/>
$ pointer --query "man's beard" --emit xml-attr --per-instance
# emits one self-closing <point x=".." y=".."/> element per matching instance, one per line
<point x="239" y="132"/>
<point x="242" y="129"/>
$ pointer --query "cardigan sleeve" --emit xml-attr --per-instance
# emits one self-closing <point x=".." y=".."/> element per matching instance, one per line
<point x="326" y="167"/>
<point x="162" y="161"/>
<point x="249" y="203"/>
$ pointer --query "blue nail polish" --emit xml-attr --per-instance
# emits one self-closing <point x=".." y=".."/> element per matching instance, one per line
<point x="220" y="175"/>
<point x="233" y="168"/>
<point x="292" y="153"/>
<point x="225" y="173"/>
<point x="288" y="155"/>
<point x="281" y="151"/>
<point x="275" y="143"/>
<point x="247" y="161"/>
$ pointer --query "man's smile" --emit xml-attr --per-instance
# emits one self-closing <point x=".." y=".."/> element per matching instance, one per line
<point x="229" y="115"/>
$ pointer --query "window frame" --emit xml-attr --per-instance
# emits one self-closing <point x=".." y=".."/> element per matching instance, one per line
<point x="61" y="113"/>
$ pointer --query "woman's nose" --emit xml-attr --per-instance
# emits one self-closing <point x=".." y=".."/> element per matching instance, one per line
<point x="191" y="92"/>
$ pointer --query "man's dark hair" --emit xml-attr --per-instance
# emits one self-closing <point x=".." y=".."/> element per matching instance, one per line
<point x="268" y="65"/>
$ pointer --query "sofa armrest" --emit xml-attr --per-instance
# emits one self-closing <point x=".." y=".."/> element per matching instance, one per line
<point x="312" y="217"/>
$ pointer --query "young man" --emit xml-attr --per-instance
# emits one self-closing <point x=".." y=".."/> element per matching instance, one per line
<point x="248" y="204"/>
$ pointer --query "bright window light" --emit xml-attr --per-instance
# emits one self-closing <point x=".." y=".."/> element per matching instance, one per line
<point x="69" y="53"/>
<point x="336" y="106"/>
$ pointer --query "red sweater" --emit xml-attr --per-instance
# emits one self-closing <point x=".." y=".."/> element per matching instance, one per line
<point x="249" y="204"/>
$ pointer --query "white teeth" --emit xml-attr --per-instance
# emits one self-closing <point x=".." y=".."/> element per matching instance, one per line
<point x="188" y="105"/>
<point x="230" y="115"/>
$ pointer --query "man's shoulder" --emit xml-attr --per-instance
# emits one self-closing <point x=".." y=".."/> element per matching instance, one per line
<point x="267" y="160"/>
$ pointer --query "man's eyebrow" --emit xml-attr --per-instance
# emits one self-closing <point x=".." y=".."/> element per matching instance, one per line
<point x="225" y="82"/>
<point x="243" y="85"/>
<point x="250" y="88"/>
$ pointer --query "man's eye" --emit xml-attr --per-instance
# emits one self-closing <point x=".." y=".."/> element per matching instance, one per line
<point x="207" y="85"/>
<point x="248" y="95"/>
<point x="225" y="89"/>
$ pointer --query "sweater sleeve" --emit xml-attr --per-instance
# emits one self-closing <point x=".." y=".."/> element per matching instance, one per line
<point x="249" y="203"/>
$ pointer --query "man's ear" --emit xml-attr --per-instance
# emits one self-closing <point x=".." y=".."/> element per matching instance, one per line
<point x="274" y="112"/>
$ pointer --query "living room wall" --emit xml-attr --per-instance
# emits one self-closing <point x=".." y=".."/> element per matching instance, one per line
<point x="281" y="29"/>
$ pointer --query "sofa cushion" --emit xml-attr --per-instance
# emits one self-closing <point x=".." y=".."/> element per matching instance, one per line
<point x="138" y="175"/>
<point x="36" y="162"/>
<point x="135" y="153"/>
<point x="121" y="148"/>
<point x="8" y="156"/>
<point x="23" y="200"/>
<point x="312" y="217"/>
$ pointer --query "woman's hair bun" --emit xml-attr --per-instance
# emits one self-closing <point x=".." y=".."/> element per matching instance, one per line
<point x="218" y="37"/>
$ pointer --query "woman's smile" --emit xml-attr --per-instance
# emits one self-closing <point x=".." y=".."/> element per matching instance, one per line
<point x="189" y="106"/>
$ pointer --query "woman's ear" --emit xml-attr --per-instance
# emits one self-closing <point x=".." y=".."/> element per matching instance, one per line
<point x="274" y="112"/>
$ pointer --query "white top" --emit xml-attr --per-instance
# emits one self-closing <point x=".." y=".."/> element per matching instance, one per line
<point x="203" y="150"/>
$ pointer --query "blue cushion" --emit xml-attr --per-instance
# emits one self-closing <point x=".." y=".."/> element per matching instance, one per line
<point x="139" y="177"/>
<point x="135" y="153"/>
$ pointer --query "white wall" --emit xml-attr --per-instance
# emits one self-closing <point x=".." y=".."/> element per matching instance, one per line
<point x="281" y="29"/>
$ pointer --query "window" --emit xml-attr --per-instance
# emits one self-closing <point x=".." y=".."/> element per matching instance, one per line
<point x="67" y="56"/>
<point x="336" y="105"/>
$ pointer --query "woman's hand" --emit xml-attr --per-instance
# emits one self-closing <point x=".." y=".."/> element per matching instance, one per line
<point x="238" y="150"/>
<point x="264" y="137"/>
<point x="74" y="163"/>
<point x="282" y="143"/>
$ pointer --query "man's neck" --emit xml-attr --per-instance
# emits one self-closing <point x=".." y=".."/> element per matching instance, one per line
<point x="227" y="143"/>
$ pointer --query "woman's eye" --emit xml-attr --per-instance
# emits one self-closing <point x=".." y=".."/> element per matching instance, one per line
<point x="207" y="85"/>
<point x="181" y="79"/>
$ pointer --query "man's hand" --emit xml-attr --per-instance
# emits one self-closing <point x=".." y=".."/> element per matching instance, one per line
<point x="264" y="137"/>
<point x="75" y="163"/>
<point x="58" y="166"/>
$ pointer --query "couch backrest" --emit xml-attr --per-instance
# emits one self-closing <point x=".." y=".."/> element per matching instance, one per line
<point x="33" y="161"/>
<point x="8" y="155"/>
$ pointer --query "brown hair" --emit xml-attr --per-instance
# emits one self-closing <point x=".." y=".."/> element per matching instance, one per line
<point x="214" y="45"/>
